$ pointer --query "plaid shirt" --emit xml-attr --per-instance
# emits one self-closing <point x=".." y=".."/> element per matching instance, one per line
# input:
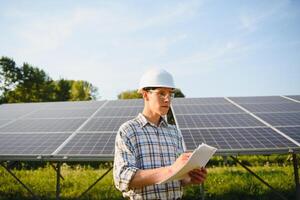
<point x="142" y="145"/>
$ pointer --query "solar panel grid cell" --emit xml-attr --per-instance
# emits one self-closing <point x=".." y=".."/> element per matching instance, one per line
<point x="240" y="138"/>
<point x="89" y="144"/>
<point x="119" y="111"/>
<point x="12" y="114"/>
<point x="266" y="108"/>
<point x="124" y="103"/>
<point x="295" y="97"/>
<point x="105" y="123"/>
<point x="214" y="121"/>
<point x="30" y="144"/>
<point x="61" y="113"/>
<point x="200" y="101"/>
<point x="281" y="119"/>
<point x="260" y="100"/>
<point x="43" y="125"/>
<point x="206" y="109"/>
<point x="293" y="132"/>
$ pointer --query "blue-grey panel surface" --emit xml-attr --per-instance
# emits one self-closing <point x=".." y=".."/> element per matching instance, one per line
<point x="293" y="132"/>
<point x="124" y="103"/>
<point x="206" y="109"/>
<point x="200" y="101"/>
<point x="90" y="144"/>
<point x="295" y="97"/>
<point x="105" y="124"/>
<point x="260" y="99"/>
<point x="119" y="111"/>
<point x="281" y="119"/>
<point x="215" y="121"/>
<point x="268" y="108"/>
<point x="236" y="138"/>
<point x="31" y="144"/>
<point x="42" y="125"/>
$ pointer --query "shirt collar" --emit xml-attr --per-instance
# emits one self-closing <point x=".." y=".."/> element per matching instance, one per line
<point x="143" y="121"/>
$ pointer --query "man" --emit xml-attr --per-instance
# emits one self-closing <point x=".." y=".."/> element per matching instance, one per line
<point x="147" y="147"/>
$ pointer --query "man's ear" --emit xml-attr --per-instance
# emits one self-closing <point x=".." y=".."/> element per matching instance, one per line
<point x="145" y="95"/>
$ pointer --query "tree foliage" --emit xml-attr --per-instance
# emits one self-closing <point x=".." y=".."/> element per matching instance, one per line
<point x="130" y="94"/>
<point x="31" y="84"/>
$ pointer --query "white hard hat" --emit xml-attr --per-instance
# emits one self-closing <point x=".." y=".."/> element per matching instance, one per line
<point x="156" y="78"/>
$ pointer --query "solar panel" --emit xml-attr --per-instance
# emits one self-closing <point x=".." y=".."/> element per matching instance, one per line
<point x="43" y="125"/>
<point x="201" y="101"/>
<point x="30" y="144"/>
<point x="88" y="129"/>
<point x="295" y="97"/>
<point x="279" y="107"/>
<point x="97" y="136"/>
<point x="90" y="144"/>
<point x="281" y="119"/>
<point x="215" y="121"/>
<point x="119" y="111"/>
<point x="13" y="114"/>
<point x="260" y="99"/>
<point x="3" y="122"/>
<point x="206" y="109"/>
<point x="105" y="124"/>
<point x="229" y="128"/>
<point x="61" y="113"/>
<point x="236" y="138"/>
<point x="74" y="104"/>
<point x="293" y="132"/>
<point x="128" y="102"/>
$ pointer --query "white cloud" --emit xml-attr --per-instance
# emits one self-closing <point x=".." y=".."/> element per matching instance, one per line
<point x="250" y="20"/>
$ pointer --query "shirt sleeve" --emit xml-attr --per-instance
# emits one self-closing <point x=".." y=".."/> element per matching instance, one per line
<point x="124" y="162"/>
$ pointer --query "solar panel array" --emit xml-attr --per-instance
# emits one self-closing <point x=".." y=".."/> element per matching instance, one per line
<point x="239" y="124"/>
<point x="55" y="130"/>
<point x="86" y="130"/>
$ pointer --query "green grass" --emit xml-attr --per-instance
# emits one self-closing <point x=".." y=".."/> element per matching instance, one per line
<point x="236" y="183"/>
<point x="222" y="183"/>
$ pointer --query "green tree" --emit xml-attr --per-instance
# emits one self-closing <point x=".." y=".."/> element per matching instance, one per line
<point x="129" y="94"/>
<point x="31" y="84"/>
<point x="82" y="90"/>
<point x="63" y="90"/>
<point x="34" y="85"/>
<point x="9" y="76"/>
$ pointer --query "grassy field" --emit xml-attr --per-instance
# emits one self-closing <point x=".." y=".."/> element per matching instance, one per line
<point x="222" y="183"/>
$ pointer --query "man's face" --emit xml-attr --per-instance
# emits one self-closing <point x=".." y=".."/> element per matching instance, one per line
<point x="160" y="100"/>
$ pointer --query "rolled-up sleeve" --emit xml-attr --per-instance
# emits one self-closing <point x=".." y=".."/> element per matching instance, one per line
<point x="124" y="162"/>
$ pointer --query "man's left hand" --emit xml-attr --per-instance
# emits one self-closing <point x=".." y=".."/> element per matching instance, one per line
<point x="196" y="176"/>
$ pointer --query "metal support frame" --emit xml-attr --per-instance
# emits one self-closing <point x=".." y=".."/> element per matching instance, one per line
<point x="15" y="177"/>
<point x="95" y="182"/>
<point x="260" y="179"/>
<point x="56" y="171"/>
<point x="202" y="192"/>
<point x="296" y="174"/>
<point x="58" y="180"/>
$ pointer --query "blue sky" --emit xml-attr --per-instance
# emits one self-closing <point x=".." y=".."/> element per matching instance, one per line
<point x="212" y="48"/>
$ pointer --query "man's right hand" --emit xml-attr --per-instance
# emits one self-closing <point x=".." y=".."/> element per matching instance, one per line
<point x="180" y="161"/>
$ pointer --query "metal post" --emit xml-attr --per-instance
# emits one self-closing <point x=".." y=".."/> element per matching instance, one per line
<point x="58" y="180"/>
<point x="13" y="175"/>
<point x="56" y="171"/>
<point x="295" y="163"/>
<point x="202" y="192"/>
<point x="256" y="176"/>
<point x="95" y="183"/>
